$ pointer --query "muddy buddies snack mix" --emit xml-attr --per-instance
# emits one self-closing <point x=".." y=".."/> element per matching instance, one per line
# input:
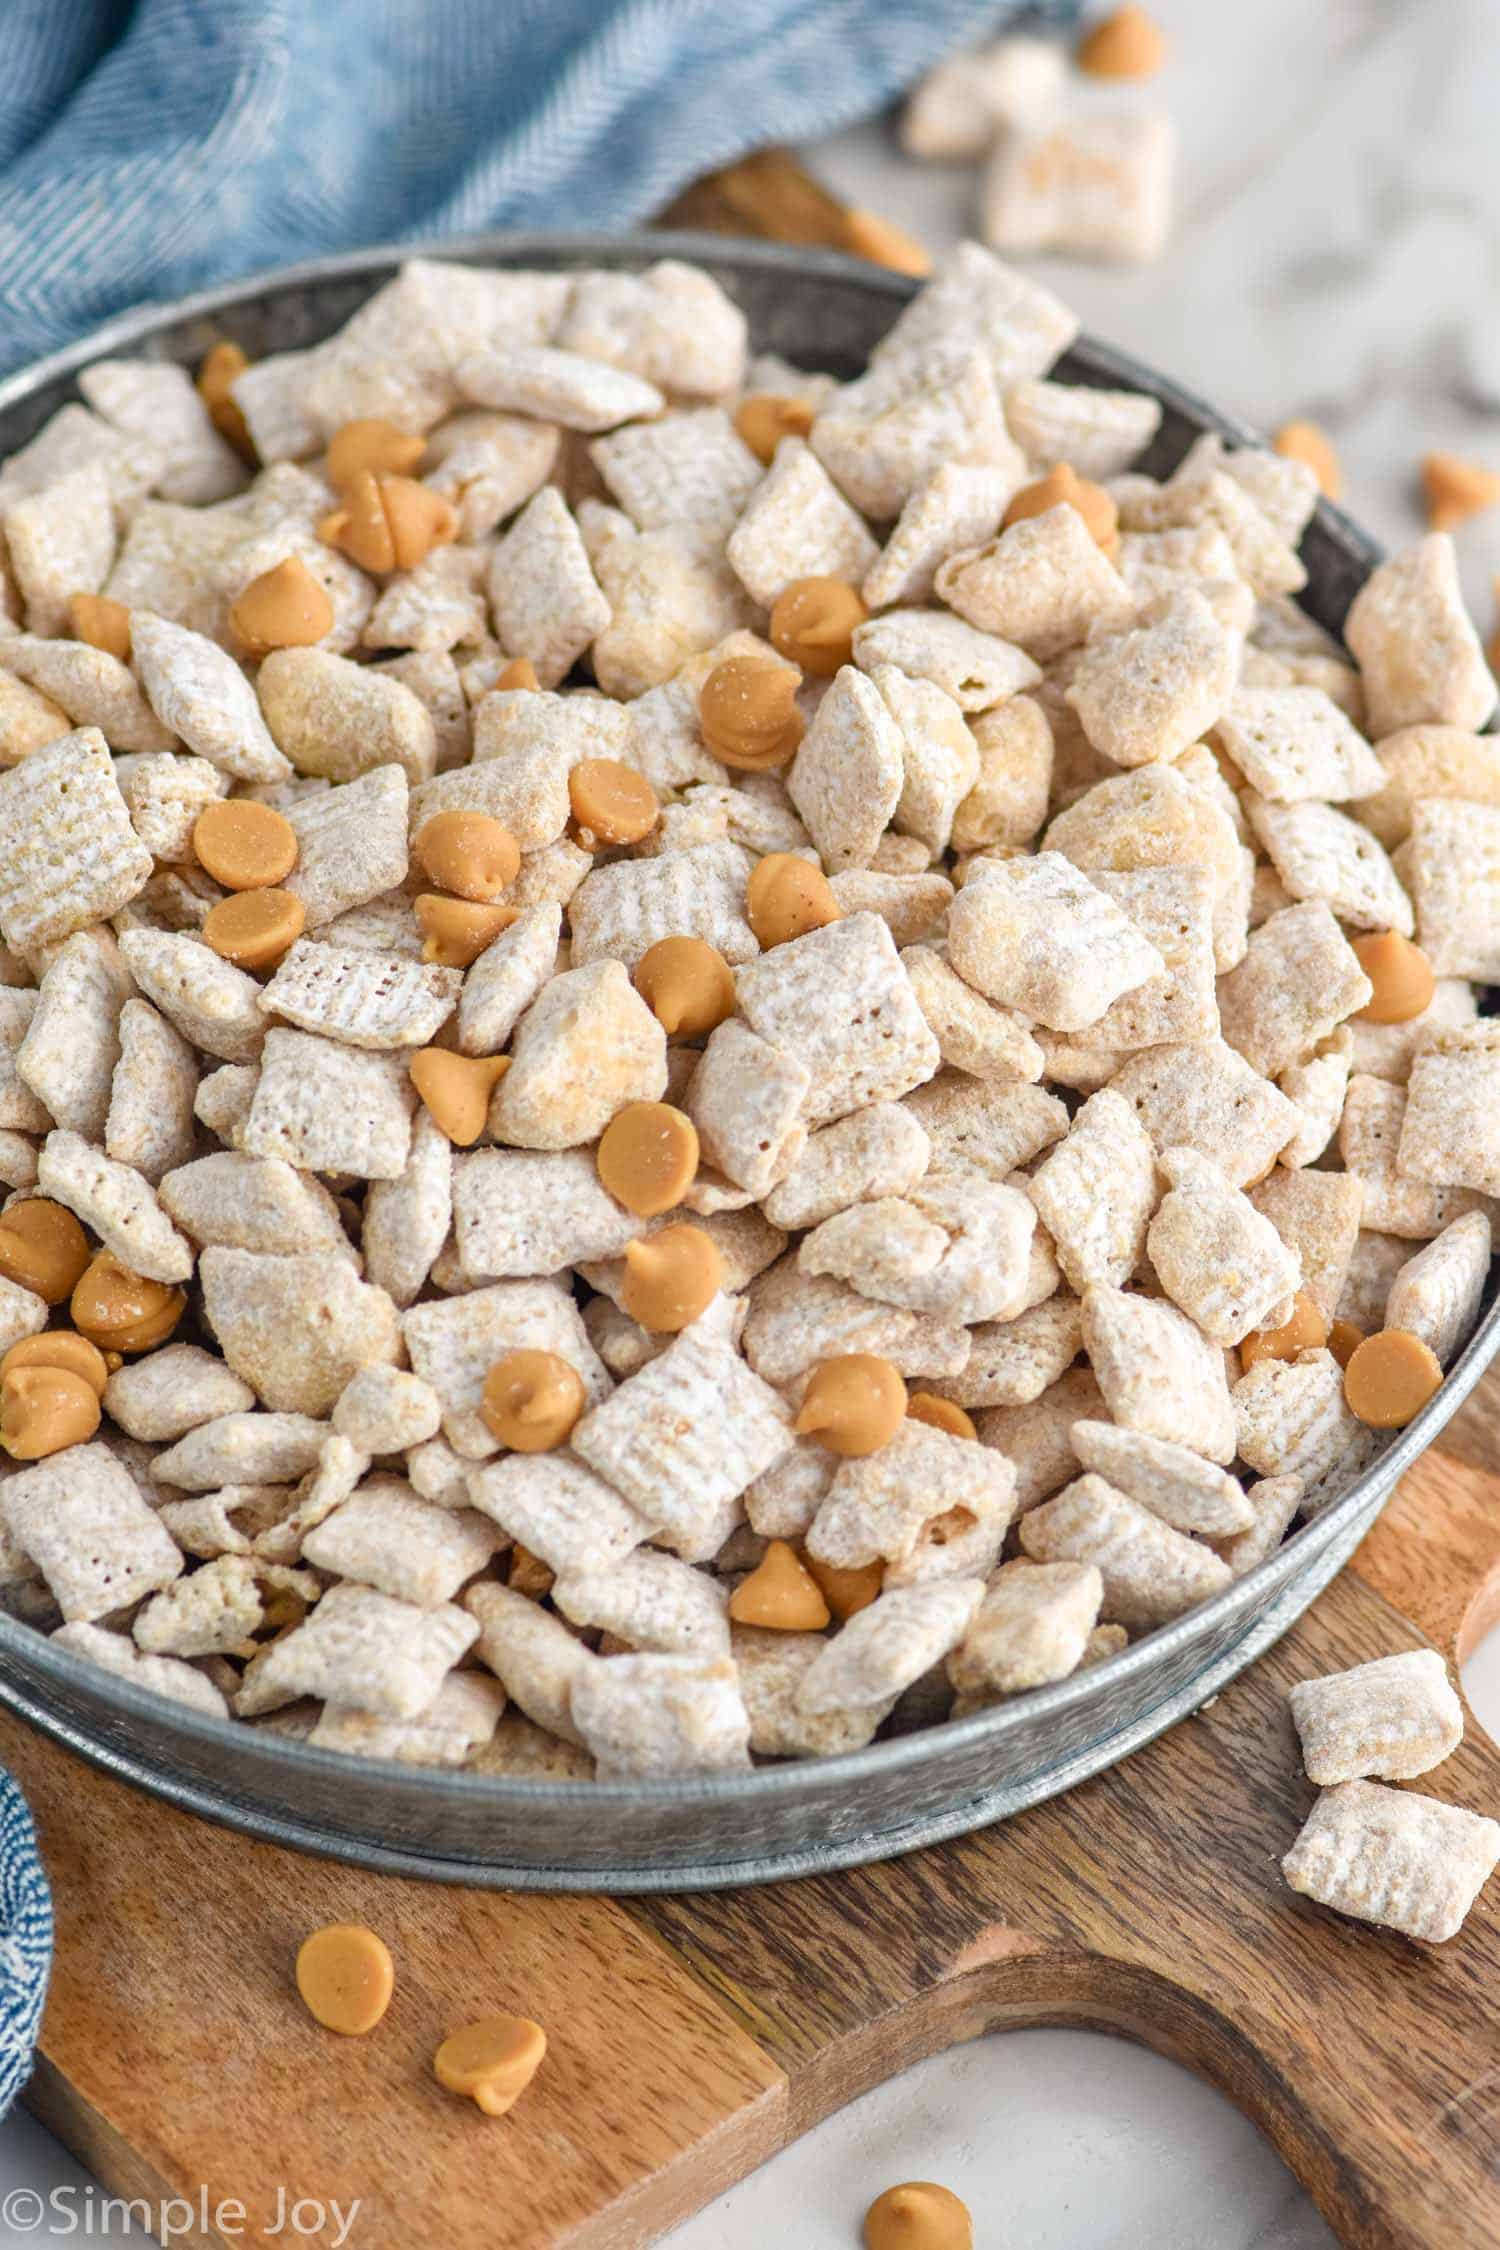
<point x="690" y="1056"/>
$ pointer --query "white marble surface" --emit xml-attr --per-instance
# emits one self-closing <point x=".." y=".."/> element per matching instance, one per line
<point x="1336" y="252"/>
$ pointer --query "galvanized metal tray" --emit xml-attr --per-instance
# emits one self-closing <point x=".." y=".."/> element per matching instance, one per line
<point x="825" y="311"/>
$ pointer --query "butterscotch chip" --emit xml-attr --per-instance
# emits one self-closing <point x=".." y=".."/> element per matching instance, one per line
<point x="813" y="624"/>
<point x="458" y="930"/>
<point x="1064" y="487"/>
<point x="612" y="803"/>
<point x="44" y="1409"/>
<point x="786" y="897"/>
<point x="470" y="854"/>
<point x="648" y="1157"/>
<point x="687" y="984"/>
<point x="346" y="1977"/>
<point x="42" y="1248"/>
<point x="1344" y="1340"/>
<point x="122" y="1311"/>
<point x="1455" y="489"/>
<point x="670" y="1278"/>
<point x="1306" y="1331"/>
<point x="868" y="235"/>
<point x="1401" y="974"/>
<point x="245" y="845"/>
<point x="1308" y="443"/>
<point x="373" y="445"/>
<point x="1127" y="44"/>
<point x="519" y="673"/>
<point x="60" y="1347"/>
<point x="493" y="2061"/>
<point x="747" y="710"/>
<point x="854" y="1404"/>
<point x="218" y="372"/>
<point x="285" y="607"/>
<point x="940" y="1414"/>
<point x="1389" y="1378"/>
<point x="766" y="417"/>
<point x="781" y="1594"/>
<point x="531" y="1401"/>
<point x="456" y="1090"/>
<point x="102" y="623"/>
<point x="253" y="929"/>
<point x="388" y="522"/>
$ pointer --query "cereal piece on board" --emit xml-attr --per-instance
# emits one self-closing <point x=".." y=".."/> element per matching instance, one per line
<point x="973" y="1036"/>
<point x="797" y="524"/>
<point x="1420" y="763"/>
<point x="545" y="599"/>
<point x="80" y="1519"/>
<point x="1452" y="864"/>
<point x="1036" y="935"/>
<point x="672" y="325"/>
<point x="383" y="1536"/>
<point x="61" y="541"/>
<point x="72" y="1042"/>
<point x="646" y="1716"/>
<point x="881" y="435"/>
<point x="531" y="1652"/>
<point x="684" y="1437"/>
<point x="1158" y="1372"/>
<point x="454" y="1730"/>
<point x="746" y="1100"/>
<point x="117" y="1204"/>
<point x="454" y="1342"/>
<point x="1292" y="1419"/>
<point x="295" y="1328"/>
<point x="1094" y="186"/>
<point x="977" y="669"/>
<point x="1044" y="584"/>
<point x="1294" y="743"/>
<point x="198" y="691"/>
<point x="337" y="720"/>
<point x="365" y="1649"/>
<point x="167" y="1393"/>
<point x="878" y="1151"/>
<point x="846" y="778"/>
<point x="1298" y="981"/>
<point x="1203" y="1095"/>
<point x="621" y="910"/>
<point x="650" y="1601"/>
<point x="242" y="1449"/>
<point x="890" y="1643"/>
<point x="772" y="1666"/>
<point x="1317" y="1215"/>
<point x="150" y="1123"/>
<point x="1099" y="432"/>
<point x="1450" y="1132"/>
<point x="1437" y="1293"/>
<point x="585" y="1047"/>
<point x="361" y="998"/>
<point x="1418" y="653"/>
<point x="212" y="1003"/>
<point x="1392" y="1719"/>
<point x="839" y="999"/>
<point x="1151" y="1573"/>
<point x="877" y="1506"/>
<point x="1216" y="1256"/>
<point x="351" y="844"/>
<point x="407" y="1218"/>
<point x="1372" y="1134"/>
<point x="330" y="1108"/>
<point x="1393" y="1857"/>
<point x="1096" y="1190"/>
<point x="687" y="470"/>
<point x="972" y="297"/>
<point x="1031" y="1627"/>
<point x="1189" y="1493"/>
<point x="1147" y="692"/>
<point x="71" y="855"/>
<point x="160" y="1675"/>
<point x="955" y="506"/>
<point x="516" y="1212"/>
<point x="1321" y="853"/>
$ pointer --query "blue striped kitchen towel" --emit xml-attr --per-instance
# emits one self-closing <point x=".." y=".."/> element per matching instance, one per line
<point x="25" y="1941"/>
<point x="148" y="147"/>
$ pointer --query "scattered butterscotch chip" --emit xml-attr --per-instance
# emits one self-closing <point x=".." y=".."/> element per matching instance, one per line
<point x="612" y="803"/>
<point x="1064" y="487"/>
<point x="220" y="370"/>
<point x="1309" y="443"/>
<point x="671" y="1277"/>
<point x="687" y="984"/>
<point x="102" y="623"/>
<point x="42" y="1248"/>
<point x="245" y="845"/>
<point x="493" y="2061"/>
<point x="1304" y="1332"/>
<point x="868" y="235"/>
<point x="45" y="1409"/>
<point x="1455" y="489"/>
<point x="470" y="854"/>
<point x="122" y="1311"/>
<point x="520" y="672"/>
<point x="786" y="897"/>
<point x="766" y="417"/>
<point x="60" y="1347"/>
<point x="747" y="710"/>
<point x="940" y="1414"/>
<point x="253" y="929"/>
<point x="531" y="1401"/>
<point x="1344" y="1340"/>
<point x="388" y="522"/>
<point x="854" y="1404"/>
<point x="813" y="624"/>
<point x="919" y="2215"/>
<point x="847" y="1587"/>
<point x="285" y="607"/>
<point x="459" y="929"/>
<point x="373" y="446"/>
<point x="1127" y="44"/>
<point x="648" y="1157"/>
<point x="346" y="1976"/>
<point x="780" y="1594"/>
<point x="456" y="1089"/>
<point x="1390" y="1377"/>
<point x="1401" y="974"/>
